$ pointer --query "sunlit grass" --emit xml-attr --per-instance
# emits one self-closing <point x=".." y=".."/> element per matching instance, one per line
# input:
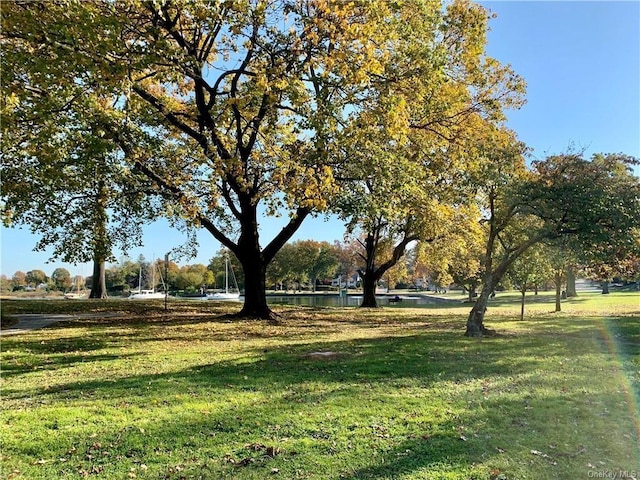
<point x="402" y="393"/>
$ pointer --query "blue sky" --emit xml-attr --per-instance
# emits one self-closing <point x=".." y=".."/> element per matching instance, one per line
<point x="581" y="62"/>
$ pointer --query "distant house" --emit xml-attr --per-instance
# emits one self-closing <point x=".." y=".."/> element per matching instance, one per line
<point x="351" y="282"/>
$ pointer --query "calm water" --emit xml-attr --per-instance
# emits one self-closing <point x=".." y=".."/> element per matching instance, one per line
<point x="349" y="301"/>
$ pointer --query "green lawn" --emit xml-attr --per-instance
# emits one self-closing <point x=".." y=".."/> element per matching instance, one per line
<point x="398" y="393"/>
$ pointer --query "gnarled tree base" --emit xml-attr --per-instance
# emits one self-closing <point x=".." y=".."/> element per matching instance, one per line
<point x="269" y="315"/>
<point x="370" y="305"/>
<point x="480" y="332"/>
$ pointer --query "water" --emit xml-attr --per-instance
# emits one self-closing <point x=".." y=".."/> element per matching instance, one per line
<point x="350" y="300"/>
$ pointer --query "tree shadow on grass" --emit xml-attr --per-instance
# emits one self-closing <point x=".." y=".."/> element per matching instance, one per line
<point x="284" y="386"/>
<point x="511" y="438"/>
<point x="45" y="346"/>
<point x="422" y="357"/>
<point x="13" y="367"/>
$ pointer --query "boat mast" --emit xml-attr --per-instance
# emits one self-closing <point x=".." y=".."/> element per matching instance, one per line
<point x="226" y="275"/>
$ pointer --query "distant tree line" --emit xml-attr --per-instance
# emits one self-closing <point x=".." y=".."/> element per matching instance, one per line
<point x="309" y="265"/>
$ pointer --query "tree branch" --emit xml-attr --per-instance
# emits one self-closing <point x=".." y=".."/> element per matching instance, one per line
<point x="285" y="234"/>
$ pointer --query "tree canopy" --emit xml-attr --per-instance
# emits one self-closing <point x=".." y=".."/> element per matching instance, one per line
<point x="407" y="148"/>
<point x="251" y="93"/>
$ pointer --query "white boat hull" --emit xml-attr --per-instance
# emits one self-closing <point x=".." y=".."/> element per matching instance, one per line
<point x="223" y="296"/>
<point x="146" y="295"/>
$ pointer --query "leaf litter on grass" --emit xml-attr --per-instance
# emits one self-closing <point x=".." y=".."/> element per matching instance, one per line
<point x="407" y="397"/>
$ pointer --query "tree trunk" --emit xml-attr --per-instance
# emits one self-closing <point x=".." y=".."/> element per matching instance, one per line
<point x="100" y="248"/>
<point x="558" y="282"/>
<point x="255" y="296"/>
<point x="253" y="259"/>
<point x="472" y="293"/>
<point x="522" y="300"/>
<point x="372" y="274"/>
<point x="571" y="282"/>
<point x="369" y="283"/>
<point x="605" y="287"/>
<point x="475" y="322"/>
<point x="98" y="281"/>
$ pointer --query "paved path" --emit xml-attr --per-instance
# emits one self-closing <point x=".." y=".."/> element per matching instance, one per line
<point x="33" y="321"/>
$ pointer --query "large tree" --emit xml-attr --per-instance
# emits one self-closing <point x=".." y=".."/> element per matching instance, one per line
<point x="406" y="154"/>
<point x="36" y="277"/>
<point x="19" y="279"/>
<point x="63" y="174"/>
<point x="595" y="202"/>
<point x="254" y="91"/>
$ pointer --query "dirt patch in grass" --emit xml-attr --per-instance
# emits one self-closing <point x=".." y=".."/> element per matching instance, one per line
<point x="324" y="355"/>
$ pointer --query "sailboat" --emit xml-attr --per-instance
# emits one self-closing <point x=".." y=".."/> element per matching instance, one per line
<point x="228" y="294"/>
<point x="150" y="294"/>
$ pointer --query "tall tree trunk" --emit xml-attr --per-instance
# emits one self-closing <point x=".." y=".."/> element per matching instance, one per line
<point x="371" y="274"/>
<point x="98" y="282"/>
<point x="254" y="266"/>
<point x="255" y="297"/>
<point x="100" y="242"/>
<point x="571" y="282"/>
<point x="523" y="292"/>
<point x="475" y="322"/>
<point x="558" y="282"/>
<point x="369" y="283"/>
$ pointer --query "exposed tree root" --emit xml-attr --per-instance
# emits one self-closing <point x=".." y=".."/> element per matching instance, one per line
<point x="270" y="316"/>
<point x="480" y="332"/>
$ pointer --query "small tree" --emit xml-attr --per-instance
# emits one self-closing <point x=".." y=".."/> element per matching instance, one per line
<point x="529" y="270"/>
<point x="62" y="279"/>
<point x="36" y="277"/>
<point x="19" y="279"/>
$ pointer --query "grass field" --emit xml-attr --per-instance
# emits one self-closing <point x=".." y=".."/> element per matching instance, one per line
<point x="394" y="393"/>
